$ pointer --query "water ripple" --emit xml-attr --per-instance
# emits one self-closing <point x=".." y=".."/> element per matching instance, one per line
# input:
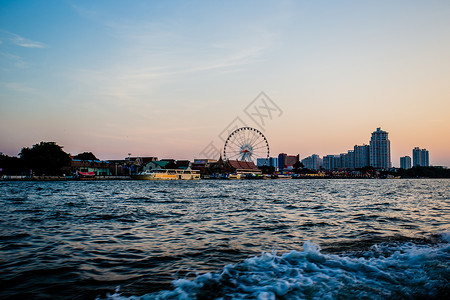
<point x="82" y="239"/>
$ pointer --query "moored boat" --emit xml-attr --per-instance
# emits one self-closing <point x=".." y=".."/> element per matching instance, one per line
<point x="168" y="174"/>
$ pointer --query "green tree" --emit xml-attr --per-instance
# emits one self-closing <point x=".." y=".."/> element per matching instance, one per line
<point x="45" y="158"/>
<point x="86" y="156"/>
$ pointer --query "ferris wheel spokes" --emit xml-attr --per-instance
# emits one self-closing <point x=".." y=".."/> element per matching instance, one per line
<point x="246" y="144"/>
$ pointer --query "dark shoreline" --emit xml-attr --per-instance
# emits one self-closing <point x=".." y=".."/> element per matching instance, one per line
<point x="115" y="178"/>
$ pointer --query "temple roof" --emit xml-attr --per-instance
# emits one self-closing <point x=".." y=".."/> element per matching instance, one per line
<point x="243" y="165"/>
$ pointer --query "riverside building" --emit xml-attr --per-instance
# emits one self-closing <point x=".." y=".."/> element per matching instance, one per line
<point x="286" y="162"/>
<point x="332" y="162"/>
<point x="270" y="162"/>
<point x="380" y="150"/>
<point x="420" y="157"/>
<point x="405" y="162"/>
<point x="312" y="162"/>
<point x="361" y="156"/>
<point x="344" y="161"/>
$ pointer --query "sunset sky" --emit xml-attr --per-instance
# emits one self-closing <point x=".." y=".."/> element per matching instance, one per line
<point x="165" y="78"/>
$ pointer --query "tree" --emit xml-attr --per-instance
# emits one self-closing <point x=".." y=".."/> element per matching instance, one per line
<point x="306" y="171"/>
<point x="267" y="169"/>
<point x="297" y="167"/>
<point x="45" y="158"/>
<point x="171" y="165"/>
<point x="10" y="165"/>
<point x="424" y="172"/>
<point x="366" y="170"/>
<point x="86" y="156"/>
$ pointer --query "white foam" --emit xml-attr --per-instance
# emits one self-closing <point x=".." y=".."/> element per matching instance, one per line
<point x="388" y="270"/>
<point x="446" y="236"/>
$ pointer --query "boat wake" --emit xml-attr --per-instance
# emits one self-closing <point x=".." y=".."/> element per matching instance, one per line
<point x="387" y="270"/>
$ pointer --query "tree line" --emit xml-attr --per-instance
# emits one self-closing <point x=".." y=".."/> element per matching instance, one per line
<point x="45" y="158"/>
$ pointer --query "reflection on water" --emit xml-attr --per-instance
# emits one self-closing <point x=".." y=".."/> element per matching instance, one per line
<point x="82" y="239"/>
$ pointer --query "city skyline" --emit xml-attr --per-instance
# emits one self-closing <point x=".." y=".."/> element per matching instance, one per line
<point x="165" y="79"/>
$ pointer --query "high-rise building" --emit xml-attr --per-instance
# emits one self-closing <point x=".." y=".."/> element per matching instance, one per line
<point x="270" y="162"/>
<point x="344" y="161"/>
<point x="348" y="160"/>
<point x="281" y="160"/>
<point x="361" y="156"/>
<point x="287" y="161"/>
<point x="405" y="162"/>
<point x="380" y="150"/>
<point x="331" y="162"/>
<point x="421" y="157"/>
<point x="291" y="160"/>
<point x="312" y="162"/>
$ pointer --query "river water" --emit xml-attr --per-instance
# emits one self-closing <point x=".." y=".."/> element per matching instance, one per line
<point x="268" y="239"/>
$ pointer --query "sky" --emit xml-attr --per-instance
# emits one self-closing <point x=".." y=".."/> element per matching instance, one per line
<point x="169" y="78"/>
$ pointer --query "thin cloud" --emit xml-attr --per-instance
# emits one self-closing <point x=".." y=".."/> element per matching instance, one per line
<point x="17" y="61"/>
<point x="27" y="43"/>
<point x="21" y="41"/>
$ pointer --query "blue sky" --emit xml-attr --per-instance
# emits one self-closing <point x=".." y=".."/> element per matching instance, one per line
<point x="164" y="78"/>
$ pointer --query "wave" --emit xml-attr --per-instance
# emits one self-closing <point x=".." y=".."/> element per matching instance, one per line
<point x="386" y="270"/>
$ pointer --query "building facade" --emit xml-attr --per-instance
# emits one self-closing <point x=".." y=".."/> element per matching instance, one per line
<point x="361" y="156"/>
<point x="380" y="150"/>
<point x="270" y="162"/>
<point x="344" y="161"/>
<point x="287" y="161"/>
<point x="405" y="162"/>
<point x="421" y="157"/>
<point x="348" y="160"/>
<point x="331" y="162"/>
<point x="312" y="162"/>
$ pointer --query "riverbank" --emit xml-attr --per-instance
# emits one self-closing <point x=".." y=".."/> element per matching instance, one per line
<point x="114" y="178"/>
<point x="59" y="178"/>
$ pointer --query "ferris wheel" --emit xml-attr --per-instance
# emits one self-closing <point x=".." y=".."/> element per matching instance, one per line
<point x="246" y="144"/>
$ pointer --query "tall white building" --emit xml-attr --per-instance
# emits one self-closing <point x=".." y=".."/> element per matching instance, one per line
<point x="421" y="157"/>
<point x="380" y="150"/>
